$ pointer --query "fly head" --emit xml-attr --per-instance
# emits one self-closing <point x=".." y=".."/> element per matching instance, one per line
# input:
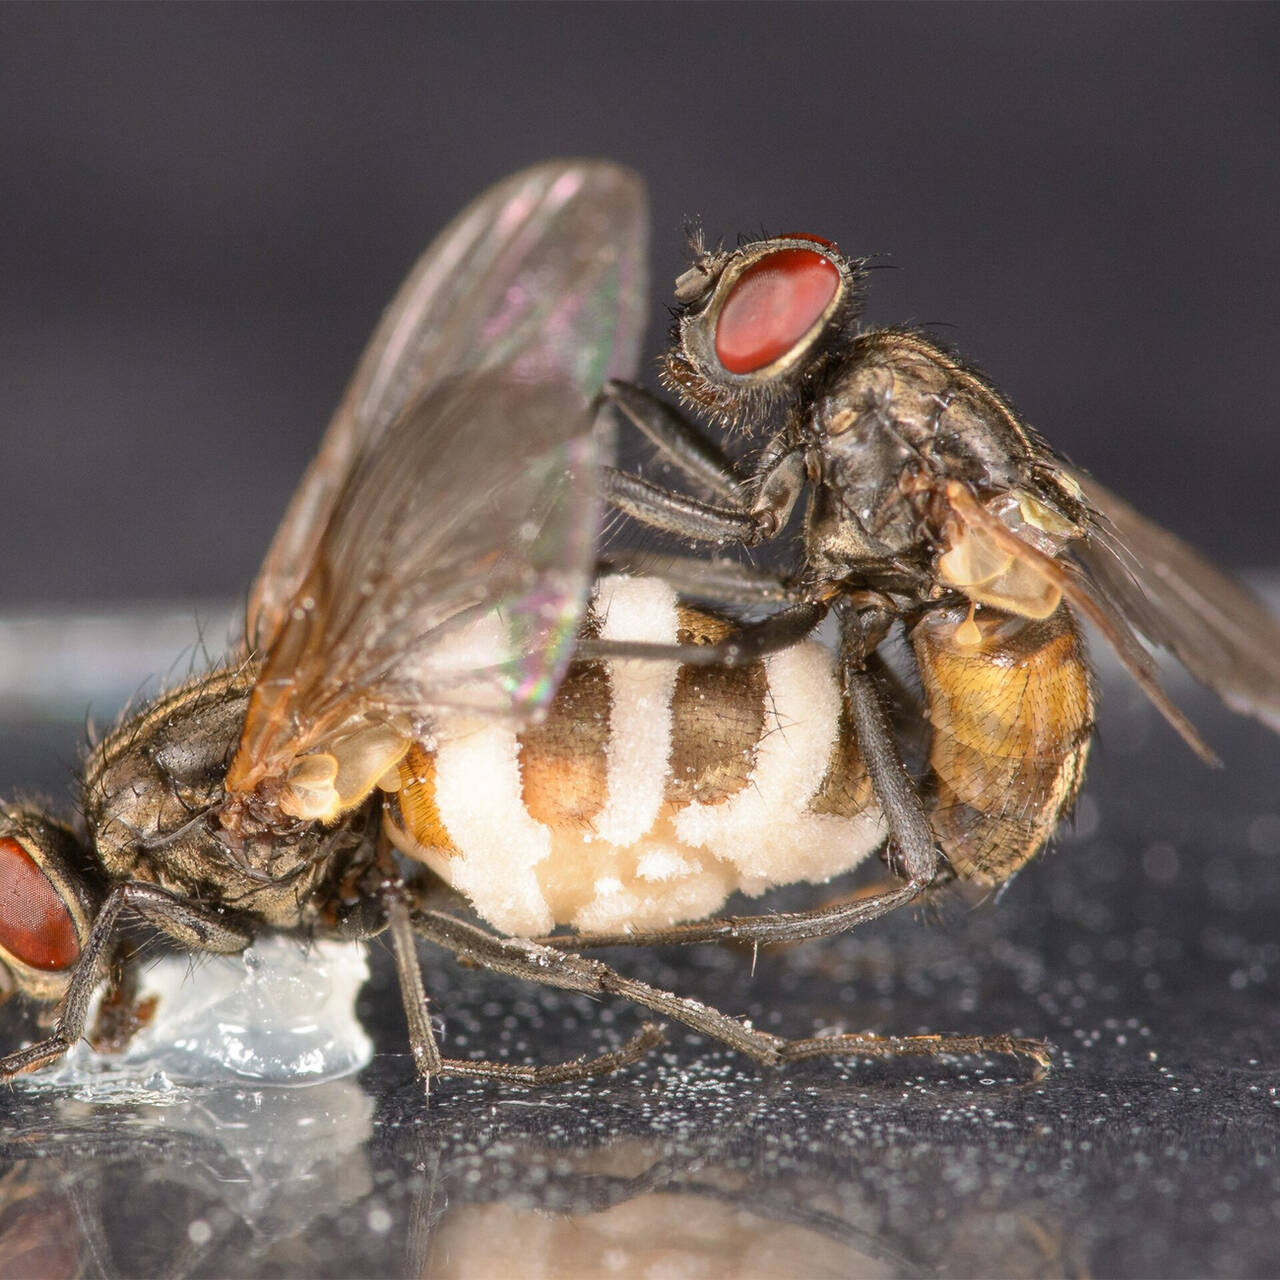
<point x="49" y="896"/>
<point x="758" y="325"/>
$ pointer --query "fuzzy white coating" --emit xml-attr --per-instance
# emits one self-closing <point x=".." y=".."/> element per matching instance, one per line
<point x="480" y="802"/>
<point x="642" y="866"/>
<point x="651" y="884"/>
<point x="765" y="830"/>
<point x="639" y="609"/>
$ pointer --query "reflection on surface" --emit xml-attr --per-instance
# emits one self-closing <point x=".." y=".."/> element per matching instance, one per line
<point x="655" y="1234"/>
<point x="310" y="1181"/>
<point x="165" y="1190"/>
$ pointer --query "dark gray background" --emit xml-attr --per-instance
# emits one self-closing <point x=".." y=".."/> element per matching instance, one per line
<point x="205" y="208"/>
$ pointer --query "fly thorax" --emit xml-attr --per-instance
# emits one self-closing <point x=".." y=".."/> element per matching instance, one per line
<point x="859" y="512"/>
<point x="156" y="774"/>
<point x="154" y="795"/>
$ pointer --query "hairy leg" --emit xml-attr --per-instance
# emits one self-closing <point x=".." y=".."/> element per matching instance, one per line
<point x="426" y="1052"/>
<point x="529" y="960"/>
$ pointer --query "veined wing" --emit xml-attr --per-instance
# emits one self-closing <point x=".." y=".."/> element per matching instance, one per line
<point x="1219" y="631"/>
<point x="439" y="552"/>
<point x="545" y="274"/>
<point x="430" y="592"/>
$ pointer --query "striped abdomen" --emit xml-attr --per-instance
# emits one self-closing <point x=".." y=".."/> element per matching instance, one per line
<point x="651" y="790"/>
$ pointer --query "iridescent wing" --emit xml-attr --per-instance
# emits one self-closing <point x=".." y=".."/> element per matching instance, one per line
<point x="439" y="552"/>
<point x="544" y="272"/>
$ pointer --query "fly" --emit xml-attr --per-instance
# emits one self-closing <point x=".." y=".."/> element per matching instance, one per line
<point x="929" y="507"/>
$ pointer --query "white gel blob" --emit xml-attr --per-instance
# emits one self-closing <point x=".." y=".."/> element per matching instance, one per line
<point x="281" y="1013"/>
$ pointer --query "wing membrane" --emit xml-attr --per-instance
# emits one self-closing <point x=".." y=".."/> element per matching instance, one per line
<point x="1221" y="633"/>
<point x="544" y="274"/>
<point x="430" y="591"/>
<point x="439" y="550"/>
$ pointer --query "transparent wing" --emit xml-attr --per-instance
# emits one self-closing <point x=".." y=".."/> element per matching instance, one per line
<point x="439" y="551"/>
<point x="544" y="275"/>
<point x="430" y="590"/>
<point x="1222" y="634"/>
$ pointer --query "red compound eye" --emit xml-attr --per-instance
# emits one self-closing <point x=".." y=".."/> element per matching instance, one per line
<point x="35" y="925"/>
<point x="771" y="306"/>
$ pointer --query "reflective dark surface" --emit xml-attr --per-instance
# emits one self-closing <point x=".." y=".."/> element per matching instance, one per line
<point x="1144" y="945"/>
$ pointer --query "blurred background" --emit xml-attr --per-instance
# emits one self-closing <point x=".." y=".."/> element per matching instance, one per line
<point x="205" y="209"/>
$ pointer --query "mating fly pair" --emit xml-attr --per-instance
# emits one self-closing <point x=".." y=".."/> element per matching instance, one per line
<point x="441" y="695"/>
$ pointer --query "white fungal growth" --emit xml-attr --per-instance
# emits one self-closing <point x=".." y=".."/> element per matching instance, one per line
<point x="642" y="864"/>
<point x="638" y="609"/>
<point x="479" y="798"/>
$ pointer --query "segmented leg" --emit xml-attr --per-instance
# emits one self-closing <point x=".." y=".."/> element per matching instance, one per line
<point x="681" y="441"/>
<point x="917" y="854"/>
<point x="648" y="1038"/>
<point x="778" y="631"/>
<point x="521" y="958"/>
<point x="413" y="995"/>
<point x="782" y="926"/>
<point x="193" y="927"/>
<point x="747" y="512"/>
<point x="426" y="1052"/>
<point x="679" y="514"/>
<point x="718" y="581"/>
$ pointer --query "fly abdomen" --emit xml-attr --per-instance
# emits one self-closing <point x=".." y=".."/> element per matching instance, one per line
<point x="1012" y="712"/>
<point x="652" y="790"/>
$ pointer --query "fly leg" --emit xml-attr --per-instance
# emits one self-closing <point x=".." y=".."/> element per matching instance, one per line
<point x="193" y="927"/>
<point x="763" y="931"/>
<point x="754" y="641"/>
<point x="413" y="995"/>
<point x="739" y="513"/>
<point x="680" y="441"/>
<point x="914" y="851"/>
<point x="680" y="514"/>
<point x="648" y="1038"/>
<point x="717" y="581"/>
<point x="426" y="1051"/>
<point x="865" y="1044"/>
<point x="521" y="958"/>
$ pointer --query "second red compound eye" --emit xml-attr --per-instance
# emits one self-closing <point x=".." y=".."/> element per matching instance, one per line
<point x="35" y="925"/>
<point x="771" y="306"/>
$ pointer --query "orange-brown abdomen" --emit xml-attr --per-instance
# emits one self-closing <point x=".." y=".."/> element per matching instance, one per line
<point x="1012" y="717"/>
